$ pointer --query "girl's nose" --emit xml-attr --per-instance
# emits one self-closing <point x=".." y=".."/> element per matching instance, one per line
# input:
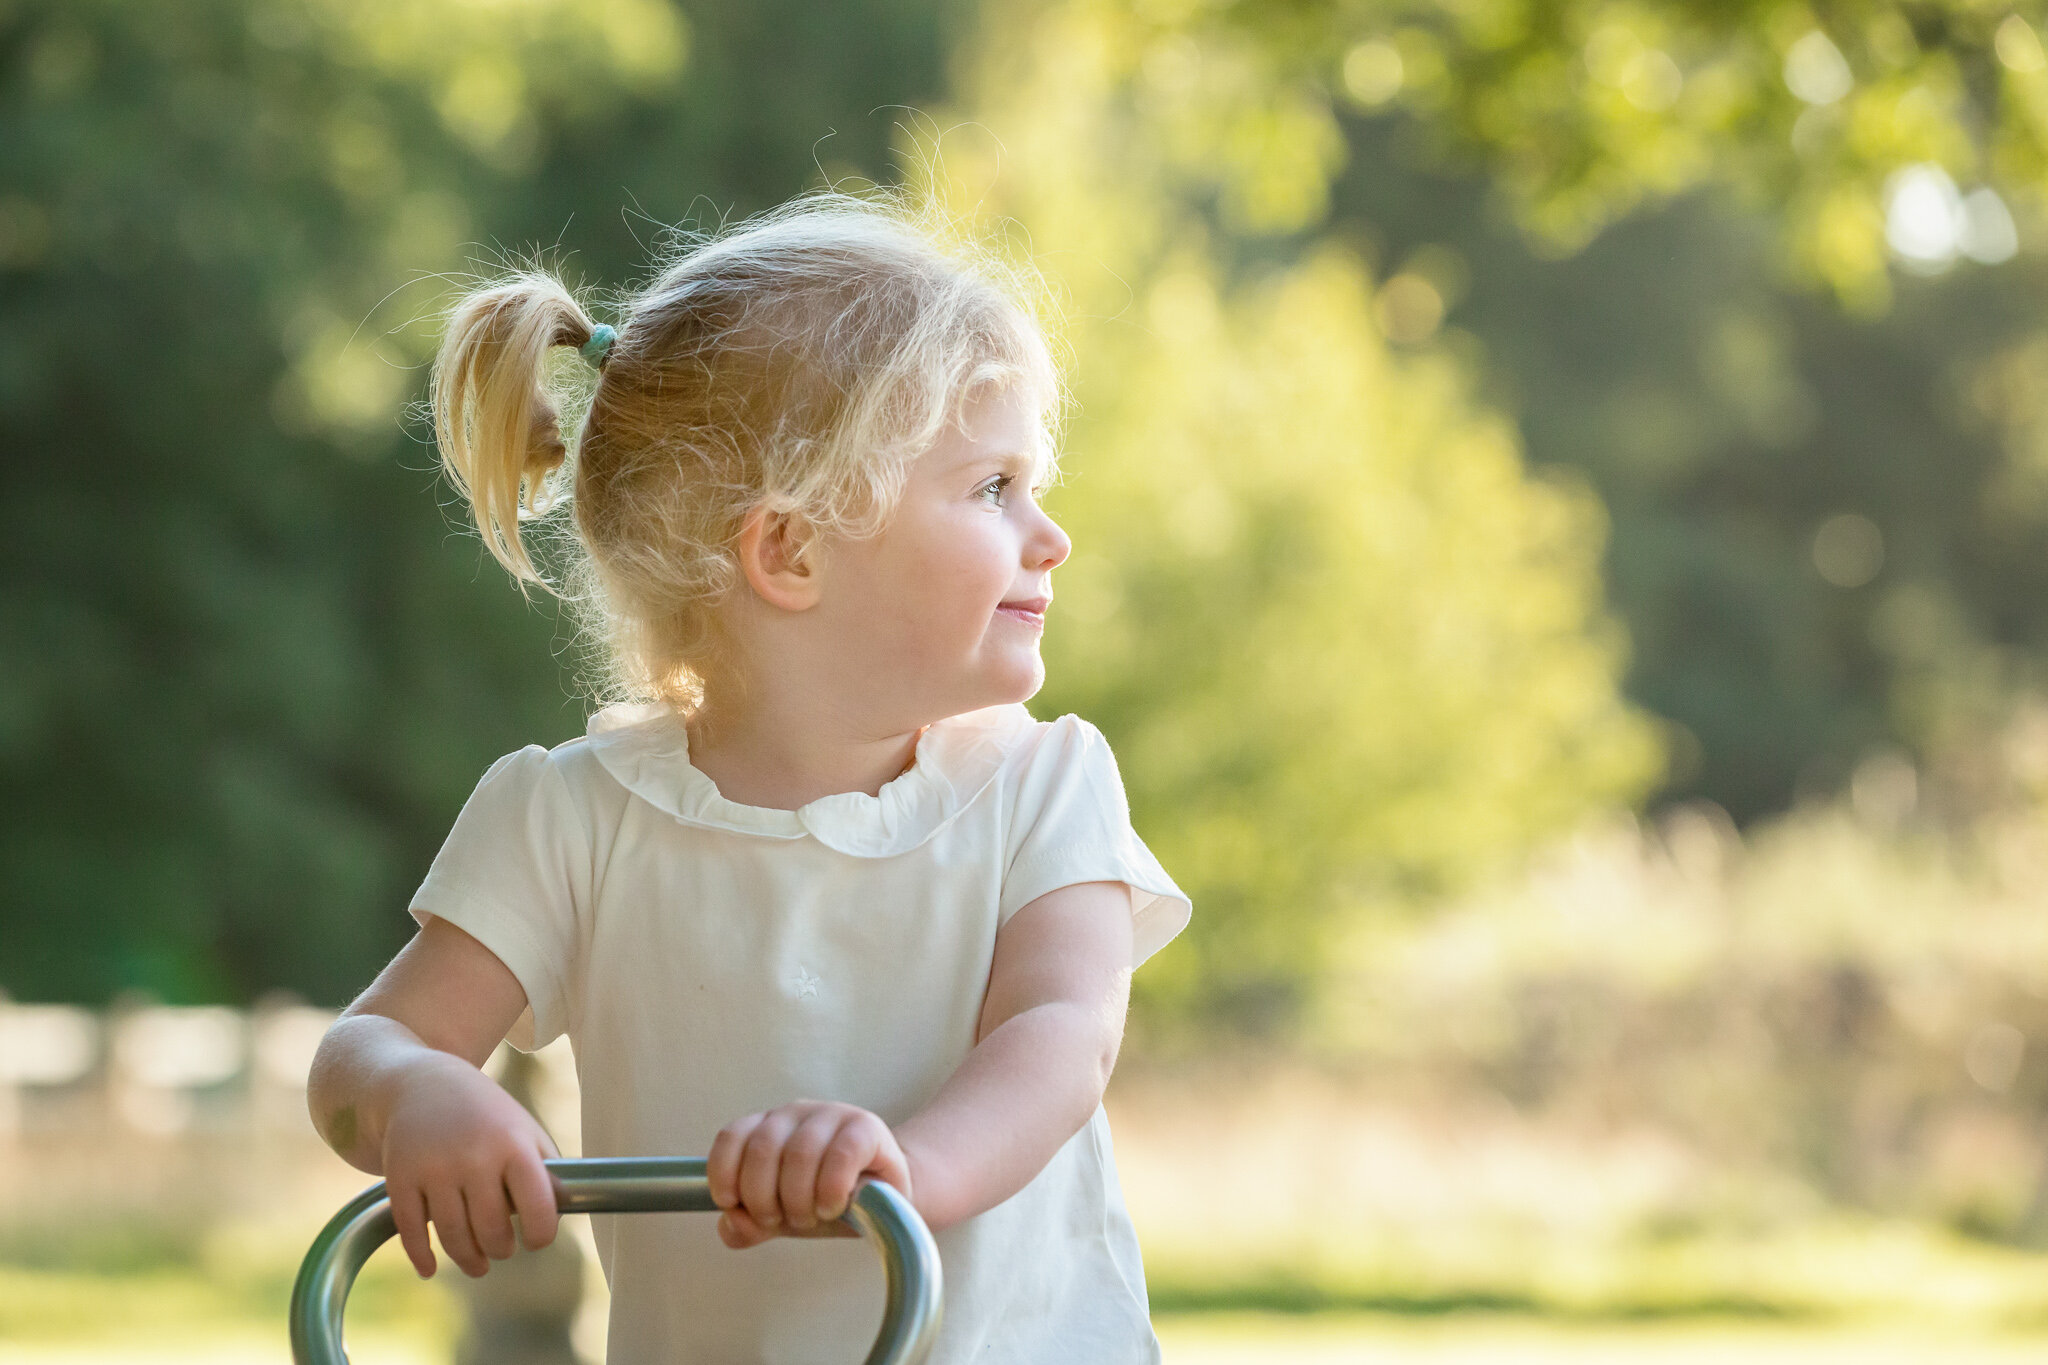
<point x="1049" y="544"/>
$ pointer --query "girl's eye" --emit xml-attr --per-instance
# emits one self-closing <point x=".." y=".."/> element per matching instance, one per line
<point x="992" y="491"/>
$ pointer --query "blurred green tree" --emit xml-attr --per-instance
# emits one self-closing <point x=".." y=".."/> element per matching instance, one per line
<point x="1825" y="541"/>
<point x="1735" y="424"/>
<point x="1818" y="544"/>
<point x="1311" y="253"/>
<point x="1351" y="653"/>
<point x="1630" y="219"/>
<point x="250" y="673"/>
<point x="1585" y="111"/>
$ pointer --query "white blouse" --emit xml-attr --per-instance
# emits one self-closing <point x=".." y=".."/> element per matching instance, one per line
<point x="709" y="959"/>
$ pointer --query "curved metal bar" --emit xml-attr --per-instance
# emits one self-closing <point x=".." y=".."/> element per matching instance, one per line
<point x="910" y="1318"/>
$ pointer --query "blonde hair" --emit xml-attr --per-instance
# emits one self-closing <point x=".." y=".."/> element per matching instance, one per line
<point x="797" y="361"/>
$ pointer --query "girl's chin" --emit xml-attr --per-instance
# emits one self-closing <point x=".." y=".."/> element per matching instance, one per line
<point x="1030" y="688"/>
<point x="990" y="678"/>
<point x="1017" y="684"/>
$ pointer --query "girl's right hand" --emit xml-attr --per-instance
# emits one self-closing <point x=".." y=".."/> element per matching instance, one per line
<point x="792" y="1170"/>
<point x="462" y="1154"/>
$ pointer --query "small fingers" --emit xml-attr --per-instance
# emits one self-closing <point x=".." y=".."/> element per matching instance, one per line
<point x="722" y="1166"/>
<point x="490" y="1215"/>
<point x="889" y="1165"/>
<point x="409" y="1212"/>
<point x="761" y="1168"/>
<point x="738" y="1230"/>
<point x="852" y="1152"/>
<point x="451" y="1222"/>
<point x="797" y="1186"/>
<point x="533" y="1199"/>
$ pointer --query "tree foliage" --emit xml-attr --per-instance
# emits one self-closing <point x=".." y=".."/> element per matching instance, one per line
<point x="1588" y="111"/>
<point x="1351" y="651"/>
<point x="1617" y="216"/>
<point x="1386" y="317"/>
<point x="252" y="667"/>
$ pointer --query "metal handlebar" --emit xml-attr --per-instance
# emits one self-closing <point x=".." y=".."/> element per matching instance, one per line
<point x="910" y="1318"/>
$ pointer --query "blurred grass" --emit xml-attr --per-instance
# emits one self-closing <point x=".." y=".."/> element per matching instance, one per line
<point x="1484" y="1339"/>
<point x="119" y="1294"/>
<point x="1840" y="1272"/>
<point x="143" y="1286"/>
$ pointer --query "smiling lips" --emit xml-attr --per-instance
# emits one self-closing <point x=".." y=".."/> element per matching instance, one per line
<point x="1029" y="610"/>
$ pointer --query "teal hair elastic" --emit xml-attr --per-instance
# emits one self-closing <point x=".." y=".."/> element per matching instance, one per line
<point x="600" y="344"/>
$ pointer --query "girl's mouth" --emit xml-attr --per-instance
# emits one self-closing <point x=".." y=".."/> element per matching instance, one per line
<point x="1029" y="610"/>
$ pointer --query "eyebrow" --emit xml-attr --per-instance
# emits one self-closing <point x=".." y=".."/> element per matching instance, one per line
<point x="1016" y="462"/>
<point x="999" y="457"/>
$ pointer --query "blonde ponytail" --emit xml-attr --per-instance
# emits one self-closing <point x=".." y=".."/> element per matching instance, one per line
<point x="498" y="431"/>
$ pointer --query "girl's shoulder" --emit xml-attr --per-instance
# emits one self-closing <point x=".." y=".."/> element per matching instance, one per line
<point x="1018" y="748"/>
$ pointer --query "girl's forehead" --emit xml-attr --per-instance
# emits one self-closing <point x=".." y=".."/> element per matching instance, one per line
<point x="1004" y="427"/>
<point x="1012" y="416"/>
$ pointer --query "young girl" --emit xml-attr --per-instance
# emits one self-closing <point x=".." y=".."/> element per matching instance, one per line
<point x="825" y="902"/>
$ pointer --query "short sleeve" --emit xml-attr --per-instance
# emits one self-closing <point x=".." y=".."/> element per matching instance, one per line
<point x="1072" y="824"/>
<point x="512" y="875"/>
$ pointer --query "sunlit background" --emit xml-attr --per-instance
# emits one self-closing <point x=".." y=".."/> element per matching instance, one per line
<point x="1561" y="506"/>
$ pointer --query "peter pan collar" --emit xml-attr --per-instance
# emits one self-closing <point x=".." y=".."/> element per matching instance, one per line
<point x="646" y="749"/>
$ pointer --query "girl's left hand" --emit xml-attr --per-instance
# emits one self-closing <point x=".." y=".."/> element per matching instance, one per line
<point x="792" y="1171"/>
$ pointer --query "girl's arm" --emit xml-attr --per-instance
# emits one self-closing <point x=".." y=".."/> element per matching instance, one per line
<point x="1048" y="1038"/>
<point x="1050" y="1029"/>
<point x="396" y="1090"/>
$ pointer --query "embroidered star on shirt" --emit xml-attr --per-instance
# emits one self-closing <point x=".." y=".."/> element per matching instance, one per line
<point x="806" y="984"/>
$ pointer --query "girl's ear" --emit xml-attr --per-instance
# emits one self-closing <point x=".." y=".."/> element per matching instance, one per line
<point x="771" y="549"/>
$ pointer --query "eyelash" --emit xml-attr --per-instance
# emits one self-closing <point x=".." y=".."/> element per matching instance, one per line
<point x="998" y="485"/>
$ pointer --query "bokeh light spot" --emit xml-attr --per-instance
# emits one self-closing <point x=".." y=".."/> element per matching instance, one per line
<point x="2018" y="46"/>
<point x="1993" y="1056"/>
<point x="1848" y="550"/>
<point x="1924" y="215"/>
<point x="1409" y="309"/>
<point x="1373" y="73"/>
<point x="1816" y="71"/>
<point x="1651" y="81"/>
<point x="1989" y="235"/>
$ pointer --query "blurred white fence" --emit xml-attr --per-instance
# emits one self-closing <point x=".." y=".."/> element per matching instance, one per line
<point x="158" y="1112"/>
<point x="161" y="1112"/>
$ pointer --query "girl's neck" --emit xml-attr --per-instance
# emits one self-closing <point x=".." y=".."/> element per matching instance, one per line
<point x="760" y="750"/>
